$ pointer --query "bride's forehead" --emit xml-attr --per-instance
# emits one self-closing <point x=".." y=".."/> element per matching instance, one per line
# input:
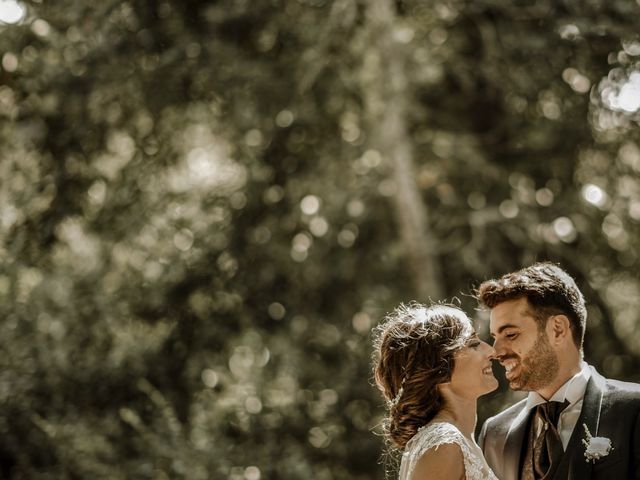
<point x="468" y="330"/>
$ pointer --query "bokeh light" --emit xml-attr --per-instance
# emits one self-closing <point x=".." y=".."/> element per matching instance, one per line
<point x="594" y="195"/>
<point x="11" y="11"/>
<point x="565" y="229"/>
<point x="624" y="96"/>
<point x="310" y="205"/>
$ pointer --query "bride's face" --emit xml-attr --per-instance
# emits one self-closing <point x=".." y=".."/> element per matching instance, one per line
<point x="472" y="374"/>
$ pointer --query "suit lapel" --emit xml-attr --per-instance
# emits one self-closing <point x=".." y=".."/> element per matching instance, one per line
<point x="513" y="445"/>
<point x="574" y="465"/>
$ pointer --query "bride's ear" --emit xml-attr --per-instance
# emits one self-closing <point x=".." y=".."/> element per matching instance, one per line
<point x="442" y="385"/>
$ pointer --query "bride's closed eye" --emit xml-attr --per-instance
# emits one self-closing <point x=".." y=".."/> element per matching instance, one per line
<point x="473" y="342"/>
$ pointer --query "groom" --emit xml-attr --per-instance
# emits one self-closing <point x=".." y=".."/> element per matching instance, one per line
<point x="538" y="321"/>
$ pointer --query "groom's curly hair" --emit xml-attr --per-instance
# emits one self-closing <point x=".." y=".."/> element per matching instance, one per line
<point x="549" y="290"/>
<point x="414" y="350"/>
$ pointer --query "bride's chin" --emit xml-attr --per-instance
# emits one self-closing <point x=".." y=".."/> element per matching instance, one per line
<point x="492" y="386"/>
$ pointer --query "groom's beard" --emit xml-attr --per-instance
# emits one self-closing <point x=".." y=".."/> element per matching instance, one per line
<point x="538" y="367"/>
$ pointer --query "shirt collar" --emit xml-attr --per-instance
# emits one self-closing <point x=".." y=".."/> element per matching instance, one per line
<point x="572" y="390"/>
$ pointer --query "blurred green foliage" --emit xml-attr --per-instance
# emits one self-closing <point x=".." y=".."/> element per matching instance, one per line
<point x="196" y="235"/>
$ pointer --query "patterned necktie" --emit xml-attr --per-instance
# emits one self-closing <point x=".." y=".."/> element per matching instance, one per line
<point x="547" y="447"/>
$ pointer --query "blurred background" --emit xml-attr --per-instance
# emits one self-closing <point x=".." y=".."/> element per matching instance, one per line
<point x="205" y="206"/>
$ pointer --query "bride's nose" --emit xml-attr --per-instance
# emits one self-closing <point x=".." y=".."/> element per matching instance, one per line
<point x="491" y="352"/>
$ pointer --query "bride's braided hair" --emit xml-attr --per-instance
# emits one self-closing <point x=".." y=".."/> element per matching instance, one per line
<point x="414" y="349"/>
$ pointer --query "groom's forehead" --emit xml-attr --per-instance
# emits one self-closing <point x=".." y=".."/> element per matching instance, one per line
<point x="518" y="307"/>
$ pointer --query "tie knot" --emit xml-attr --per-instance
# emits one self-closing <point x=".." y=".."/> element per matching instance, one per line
<point x="550" y="411"/>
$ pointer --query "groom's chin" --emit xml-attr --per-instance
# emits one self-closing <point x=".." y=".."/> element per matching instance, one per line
<point x="515" y="386"/>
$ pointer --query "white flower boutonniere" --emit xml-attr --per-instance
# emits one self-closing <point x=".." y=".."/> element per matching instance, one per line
<point x="597" y="447"/>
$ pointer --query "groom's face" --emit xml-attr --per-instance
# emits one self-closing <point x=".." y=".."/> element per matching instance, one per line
<point x="522" y="348"/>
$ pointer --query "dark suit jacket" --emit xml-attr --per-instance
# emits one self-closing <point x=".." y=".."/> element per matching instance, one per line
<point x="610" y="409"/>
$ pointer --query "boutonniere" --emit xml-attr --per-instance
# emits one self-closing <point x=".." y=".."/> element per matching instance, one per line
<point x="597" y="447"/>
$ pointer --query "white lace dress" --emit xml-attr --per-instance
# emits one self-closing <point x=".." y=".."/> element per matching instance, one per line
<point x="435" y="434"/>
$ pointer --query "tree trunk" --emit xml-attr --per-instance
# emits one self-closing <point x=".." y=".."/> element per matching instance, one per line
<point x="386" y="95"/>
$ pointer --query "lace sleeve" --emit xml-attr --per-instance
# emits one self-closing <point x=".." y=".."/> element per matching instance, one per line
<point x="432" y="436"/>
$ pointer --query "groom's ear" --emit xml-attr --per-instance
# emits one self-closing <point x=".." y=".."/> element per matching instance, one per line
<point x="559" y="327"/>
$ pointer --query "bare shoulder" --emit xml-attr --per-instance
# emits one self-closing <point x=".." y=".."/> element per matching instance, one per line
<point x="444" y="462"/>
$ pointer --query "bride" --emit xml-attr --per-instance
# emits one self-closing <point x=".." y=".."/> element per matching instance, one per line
<point x="431" y="367"/>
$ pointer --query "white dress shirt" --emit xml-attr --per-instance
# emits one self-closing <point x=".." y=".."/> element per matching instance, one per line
<point x="573" y="391"/>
